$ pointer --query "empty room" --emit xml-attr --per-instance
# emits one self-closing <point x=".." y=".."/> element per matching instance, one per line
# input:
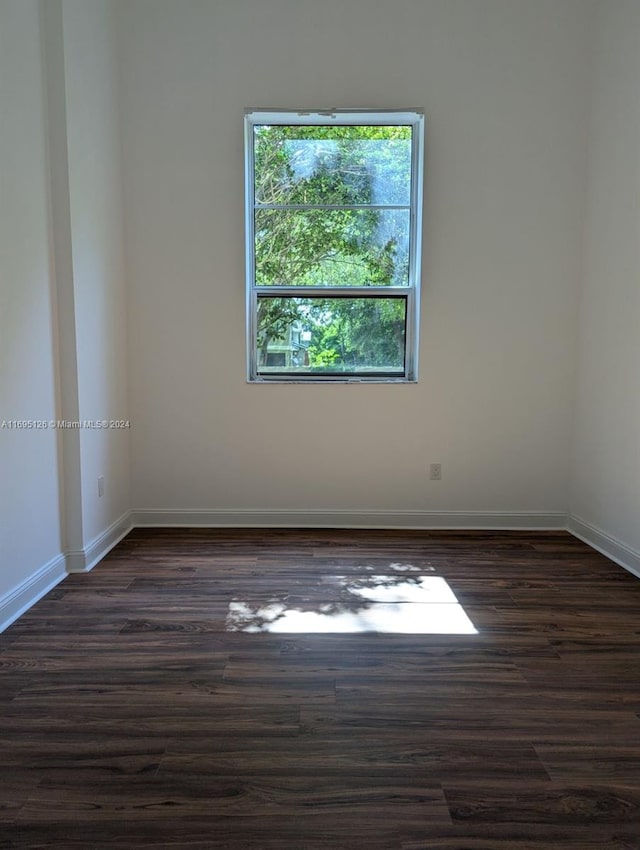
<point x="320" y="424"/>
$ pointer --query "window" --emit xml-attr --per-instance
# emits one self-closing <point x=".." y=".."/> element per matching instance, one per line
<point x="333" y="204"/>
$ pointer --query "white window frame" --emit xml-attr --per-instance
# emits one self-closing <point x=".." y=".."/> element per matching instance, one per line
<point x="410" y="293"/>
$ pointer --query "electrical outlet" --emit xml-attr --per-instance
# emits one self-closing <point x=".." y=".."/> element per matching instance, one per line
<point x="435" y="471"/>
<point x="100" y="486"/>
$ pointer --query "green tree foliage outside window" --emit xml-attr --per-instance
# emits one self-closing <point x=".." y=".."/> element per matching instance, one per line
<point x="332" y="212"/>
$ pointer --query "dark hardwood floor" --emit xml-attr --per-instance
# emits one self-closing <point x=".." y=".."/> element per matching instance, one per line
<point x="181" y="695"/>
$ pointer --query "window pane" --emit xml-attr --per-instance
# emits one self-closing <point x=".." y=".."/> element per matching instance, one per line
<point x="332" y="247"/>
<point x="332" y="165"/>
<point x="331" y="336"/>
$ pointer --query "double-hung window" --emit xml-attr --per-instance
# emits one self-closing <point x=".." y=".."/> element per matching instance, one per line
<point x="333" y="208"/>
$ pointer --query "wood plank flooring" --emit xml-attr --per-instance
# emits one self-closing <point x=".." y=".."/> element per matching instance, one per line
<point x="137" y="710"/>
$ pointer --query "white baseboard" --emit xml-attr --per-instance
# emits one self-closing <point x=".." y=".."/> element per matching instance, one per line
<point x="83" y="560"/>
<point x="512" y="520"/>
<point x="610" y="546"/>
<point x="21" y="598"/>
<point x="26" y="594"/>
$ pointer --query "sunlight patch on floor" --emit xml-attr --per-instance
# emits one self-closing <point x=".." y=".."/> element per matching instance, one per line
<point x="388" y="604"/>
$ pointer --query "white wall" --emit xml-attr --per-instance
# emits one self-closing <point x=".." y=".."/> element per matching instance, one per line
<point x="605" y="492"/>
<point x="95" y="201"/>
<point x="505" y="88"/>
<point x="30" y="535"/>
<point x="62" y="296"/>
